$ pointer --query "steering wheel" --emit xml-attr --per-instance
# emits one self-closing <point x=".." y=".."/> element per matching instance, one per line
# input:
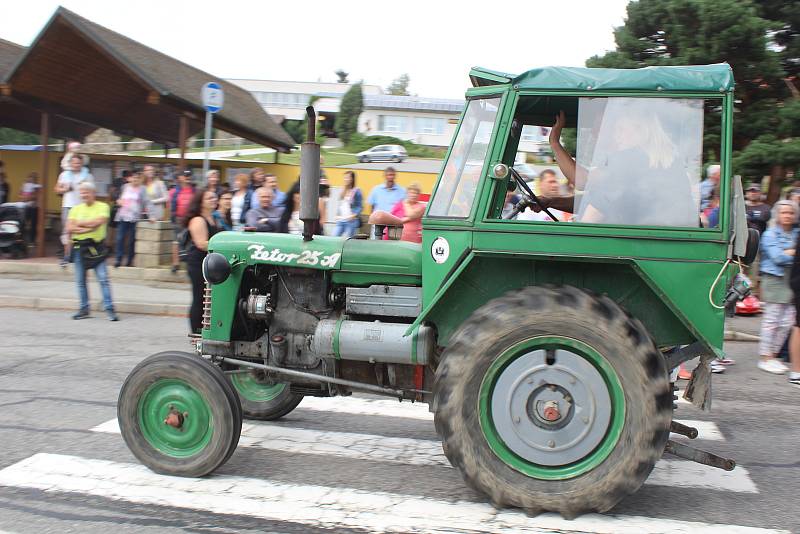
<point x="529" y="198"/>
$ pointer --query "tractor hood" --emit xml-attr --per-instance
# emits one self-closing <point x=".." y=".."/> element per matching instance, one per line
<point x="323" y="252"/>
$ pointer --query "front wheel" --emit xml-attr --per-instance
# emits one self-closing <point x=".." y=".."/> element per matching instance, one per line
<point x="263" y="399"/>
<point x="364" y="159"/>
<point x="178" y="415"/>
<point x="553" y="400"/>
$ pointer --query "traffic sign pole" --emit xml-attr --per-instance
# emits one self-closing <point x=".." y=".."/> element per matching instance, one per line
<point x="209" y="120"/>
<point x="213" y="100"/>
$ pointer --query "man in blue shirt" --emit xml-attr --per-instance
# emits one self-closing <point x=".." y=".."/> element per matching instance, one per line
<point x="383" y="197"/>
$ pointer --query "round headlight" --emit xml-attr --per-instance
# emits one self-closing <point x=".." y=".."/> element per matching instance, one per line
<point x="216" y="268"/>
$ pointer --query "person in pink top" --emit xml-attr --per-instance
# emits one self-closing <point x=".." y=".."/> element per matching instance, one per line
<point x="410" y="211"/>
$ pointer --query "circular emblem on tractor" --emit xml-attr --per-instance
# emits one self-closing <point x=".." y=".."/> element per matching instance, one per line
<point x="440" y="250"/>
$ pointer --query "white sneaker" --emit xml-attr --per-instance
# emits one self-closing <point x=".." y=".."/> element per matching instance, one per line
<point x="717" y="367"/>
<point x="772" y="366"/>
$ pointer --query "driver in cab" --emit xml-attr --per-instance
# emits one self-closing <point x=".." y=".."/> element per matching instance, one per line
<point x="638" y="181"/>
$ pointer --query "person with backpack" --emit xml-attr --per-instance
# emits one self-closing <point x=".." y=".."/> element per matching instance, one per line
<point x="180" y="197"/>
<point x="200" y="226"/>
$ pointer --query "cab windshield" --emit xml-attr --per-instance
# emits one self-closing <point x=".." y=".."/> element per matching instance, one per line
<point x="462" y="171"/>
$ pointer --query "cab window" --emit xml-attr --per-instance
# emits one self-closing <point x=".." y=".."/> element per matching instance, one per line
<point x="462" y="172"/>
<point x="624" y="160"/>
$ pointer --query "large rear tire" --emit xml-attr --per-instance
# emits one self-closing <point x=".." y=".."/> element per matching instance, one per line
<point x="553" y="400"/>
<point x="179" y="415"/>
<point x="261" y="399"/>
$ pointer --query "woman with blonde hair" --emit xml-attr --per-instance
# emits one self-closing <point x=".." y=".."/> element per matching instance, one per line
<point x="410" y="211"/>
<point x="241" y="200"/>
<point x="351" y="201"/>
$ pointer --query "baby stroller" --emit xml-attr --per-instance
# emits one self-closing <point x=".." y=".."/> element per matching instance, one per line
<point x="12" y="229"/>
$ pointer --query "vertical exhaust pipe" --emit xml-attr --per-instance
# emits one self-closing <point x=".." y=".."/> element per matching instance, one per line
<point x="309" y="178"/>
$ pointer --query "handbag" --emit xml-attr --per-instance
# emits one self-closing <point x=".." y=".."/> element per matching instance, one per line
<point x="92" y="253"/>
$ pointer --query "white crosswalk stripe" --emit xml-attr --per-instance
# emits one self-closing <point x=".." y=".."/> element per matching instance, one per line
<point x="342" y="507"/>
<point x="370" y="447"/>
<point x="320" y="506"/>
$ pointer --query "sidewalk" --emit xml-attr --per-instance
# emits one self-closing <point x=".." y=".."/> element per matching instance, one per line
<point x="48" y="269"/>
<point x="17" y="292"/>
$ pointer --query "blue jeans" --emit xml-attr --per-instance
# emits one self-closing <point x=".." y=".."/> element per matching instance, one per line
<point x="101" y="272"/>
<point x="125" y="229"/>
<point x="347" y="228"/>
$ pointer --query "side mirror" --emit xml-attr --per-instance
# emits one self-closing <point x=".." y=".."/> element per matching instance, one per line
<point x="500" y="171"/>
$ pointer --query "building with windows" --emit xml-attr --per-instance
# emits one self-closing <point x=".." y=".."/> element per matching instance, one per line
<point x="425" y="121"/>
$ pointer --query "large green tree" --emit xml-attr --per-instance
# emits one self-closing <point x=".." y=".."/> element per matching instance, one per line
<point x="349" y="110"/>
<point x="759" y="39"/>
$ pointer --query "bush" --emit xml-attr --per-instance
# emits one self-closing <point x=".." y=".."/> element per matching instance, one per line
<point x="359" y="142"/>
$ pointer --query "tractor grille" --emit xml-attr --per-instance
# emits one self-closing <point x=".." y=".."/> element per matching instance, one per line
<point x="207" y="307"/>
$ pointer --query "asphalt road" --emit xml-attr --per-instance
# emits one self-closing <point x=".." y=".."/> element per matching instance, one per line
<point x="409" y="165"/>
<point x="343" y="465"/>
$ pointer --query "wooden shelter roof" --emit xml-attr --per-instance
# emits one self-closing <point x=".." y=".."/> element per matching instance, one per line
<point x="78" y="69"/>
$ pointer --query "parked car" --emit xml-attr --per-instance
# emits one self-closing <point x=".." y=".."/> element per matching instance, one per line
<point x="396" y="153"/>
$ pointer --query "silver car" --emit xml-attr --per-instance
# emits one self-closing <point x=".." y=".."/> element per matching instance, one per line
<point x="396" y="153"/>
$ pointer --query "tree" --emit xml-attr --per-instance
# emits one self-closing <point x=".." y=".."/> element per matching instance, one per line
<point x="349" y="110"/>
<point x="341" y="76"/>
<point x="9" y="136"/>
<point x="758" y="39"/>
<point x="399" y="86"/>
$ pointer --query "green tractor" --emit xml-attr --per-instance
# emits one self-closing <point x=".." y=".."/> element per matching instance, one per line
<point x="541" y="332"/>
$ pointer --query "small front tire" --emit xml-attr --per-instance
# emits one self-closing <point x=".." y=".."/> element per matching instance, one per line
<point x="178" y="415"/>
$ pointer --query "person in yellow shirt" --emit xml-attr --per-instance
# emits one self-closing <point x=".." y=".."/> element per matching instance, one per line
<point x="87" y="223"/>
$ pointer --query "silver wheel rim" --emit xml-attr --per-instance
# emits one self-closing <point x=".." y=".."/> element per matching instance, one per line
<point x="551" y="407"/>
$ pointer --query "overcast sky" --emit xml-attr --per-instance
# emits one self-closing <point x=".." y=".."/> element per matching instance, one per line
<point x="435" y="42"/>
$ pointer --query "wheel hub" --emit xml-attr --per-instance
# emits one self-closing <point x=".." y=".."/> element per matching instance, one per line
<point x="551" y="407"/>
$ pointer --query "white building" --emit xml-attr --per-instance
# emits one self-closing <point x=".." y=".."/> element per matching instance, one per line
<point x="425" y="121"/>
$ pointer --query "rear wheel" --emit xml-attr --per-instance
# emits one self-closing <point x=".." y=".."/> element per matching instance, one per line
<point x="553" y="400"/>
<point x="178" y="415"/>
<point x="261" y="398"/>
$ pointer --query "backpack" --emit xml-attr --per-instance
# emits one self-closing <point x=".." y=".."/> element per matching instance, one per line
<point x="184" y="244"/>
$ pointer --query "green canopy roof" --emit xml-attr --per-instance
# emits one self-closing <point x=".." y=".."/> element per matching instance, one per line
<point x="717" y="78"/>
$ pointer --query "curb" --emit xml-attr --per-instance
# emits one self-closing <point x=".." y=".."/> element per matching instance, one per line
<point x="48" y="303"/>
<point x="732" y="335"/>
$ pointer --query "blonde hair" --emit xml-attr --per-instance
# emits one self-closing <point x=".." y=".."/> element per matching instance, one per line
<point x="241" y="180"/>
<point x="415" y="187"/>
<point x="653" y="140"/>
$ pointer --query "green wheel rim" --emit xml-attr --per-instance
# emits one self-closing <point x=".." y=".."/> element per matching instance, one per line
<point x="545" y="472"/>
<point x="165" y="396"/>
<point x="251" y="389"/>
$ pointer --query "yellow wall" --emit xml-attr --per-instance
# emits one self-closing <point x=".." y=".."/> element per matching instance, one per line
<point x="19" y="164"/>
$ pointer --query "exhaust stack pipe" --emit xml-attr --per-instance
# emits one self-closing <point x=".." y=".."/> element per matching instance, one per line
<point x="309" y="178"/>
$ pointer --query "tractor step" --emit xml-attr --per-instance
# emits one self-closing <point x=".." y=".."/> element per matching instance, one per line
<point x="696" y="455"/>
<point x="683" y="430"/>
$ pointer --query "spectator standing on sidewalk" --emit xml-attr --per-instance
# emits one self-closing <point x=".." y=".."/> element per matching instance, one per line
<point x="794" y="338"/>
<point x="87" y="224"/>
<point x="777" y="256"/>
<point x="223" y="212"/>
<point x="180" y="197"/>
<point x="257" y="177"/>
<point x="240" y="202"/>
<point x="271" y="181"/>
<point x="351" y="202"/>
<point x="383" y="197"/>
<point x="5" y="187"/>
<point x="758" y="213"/>
<point x="266" y="217"/>
<point x="156" y="194"/>
<point x="410" y="211"/>
<point x="29" y="194"/>
<point x="130" y="206"/>
<point x="212" y="182"/>
<point x="200" y="222"/>
<point x="67" y="187"/>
